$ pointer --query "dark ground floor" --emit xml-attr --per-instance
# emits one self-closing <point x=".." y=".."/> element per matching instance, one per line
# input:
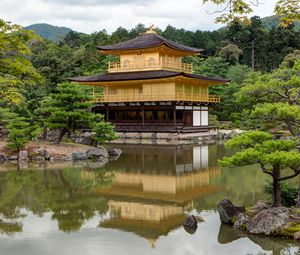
<point x="156" y="118"/>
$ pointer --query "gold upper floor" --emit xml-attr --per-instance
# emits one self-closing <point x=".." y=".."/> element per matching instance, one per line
<point x="147" y="61"/>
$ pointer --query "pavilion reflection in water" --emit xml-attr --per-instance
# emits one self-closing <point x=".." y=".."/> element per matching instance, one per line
<point x="156" y="186"/>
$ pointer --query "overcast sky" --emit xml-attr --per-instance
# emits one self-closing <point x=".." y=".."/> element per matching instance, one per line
<point x="94" y="15"/>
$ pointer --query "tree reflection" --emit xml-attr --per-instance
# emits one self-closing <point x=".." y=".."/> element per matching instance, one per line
<point x="63" y="192"/>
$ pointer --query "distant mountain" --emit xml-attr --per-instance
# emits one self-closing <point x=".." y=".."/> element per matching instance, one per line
<point x="49" y="32"/>
<point x="273" y="21"/>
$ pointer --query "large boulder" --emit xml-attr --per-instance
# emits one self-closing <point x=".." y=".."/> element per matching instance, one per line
<point x="190" y="224"/>
<point x="269" y="221"/>
<point x="227" y="211"/>
<point x="259" y="206"/>
<point x="96" y="153"/>
<point x="23" y="155"/>
<point x="114" y="152"/>
<point x="3" y="157"/>
<point x="78" y="155"/>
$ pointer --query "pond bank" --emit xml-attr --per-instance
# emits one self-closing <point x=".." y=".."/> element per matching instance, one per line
<point x="176" y="138"/>
<point x="50" y="152"/>
<point x="262" y="219"/>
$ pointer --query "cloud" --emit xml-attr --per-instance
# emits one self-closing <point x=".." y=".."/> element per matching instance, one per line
<point x="98" y="2"/>
<point x="94" y="15"/>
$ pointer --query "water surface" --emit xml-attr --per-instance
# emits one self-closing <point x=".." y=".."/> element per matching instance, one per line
<point x="133" y="205"/>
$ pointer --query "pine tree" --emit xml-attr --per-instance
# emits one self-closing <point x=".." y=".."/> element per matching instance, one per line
<point x="69" y="109"/>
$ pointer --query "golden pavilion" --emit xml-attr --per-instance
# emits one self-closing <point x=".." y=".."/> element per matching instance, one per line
<point x="151" y="89"/>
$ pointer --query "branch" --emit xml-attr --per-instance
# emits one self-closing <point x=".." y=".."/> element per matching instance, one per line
<point x="264" y="169"/>
<point x="296" y="97"/>
<point x="289" y="176"/>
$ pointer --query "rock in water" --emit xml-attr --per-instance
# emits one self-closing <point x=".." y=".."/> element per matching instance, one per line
<point x="190" y="224"/>
<point x="96" y="153"/>
<point x="3" y="157"/>
<point x="227" y="211"/>
<point x="114" y="152"/>
<point x="269" y="221"/>
<point x="23" y="155"/>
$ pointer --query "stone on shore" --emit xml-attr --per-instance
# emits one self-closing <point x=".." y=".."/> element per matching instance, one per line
<point x="44" y="153"/>
<point x="77" y="155"/>
<point x="3" y="157"/>
<point x="227" y="211"/>
<point x="96" y="153"/>
<point x="23" y="155"/>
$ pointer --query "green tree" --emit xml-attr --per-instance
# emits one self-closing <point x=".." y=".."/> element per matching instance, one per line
<point x="273" y="156"/>
<point x="20" y="132"/>
<point x="16" y="71"/>
<point x="273" y="98"/>
<point x="231" y="53"/>
<point x="103" y="132"/>
<point x="69" y="109"/>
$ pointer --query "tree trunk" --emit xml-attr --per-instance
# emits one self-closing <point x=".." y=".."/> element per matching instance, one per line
<point x="276" y="187"/>
<point x="252" y="55"/>
<point x="298" y="199"/>
<point x="61" y="135"/>
<point x="45" y="134"/>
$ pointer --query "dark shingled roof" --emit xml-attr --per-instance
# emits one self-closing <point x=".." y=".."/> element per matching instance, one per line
<point x="143" y="75"/>
<point x="146" y="41"/>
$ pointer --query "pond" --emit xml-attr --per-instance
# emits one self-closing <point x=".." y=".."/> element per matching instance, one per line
<point x="133" y="205"/>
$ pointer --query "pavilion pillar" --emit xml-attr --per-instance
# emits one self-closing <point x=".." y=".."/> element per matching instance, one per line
<point x="174" y="115"/>
<point x="143" y="115"/>
<point x="107" y="114"/>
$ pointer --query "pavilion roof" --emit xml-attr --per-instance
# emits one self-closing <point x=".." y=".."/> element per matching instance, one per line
<point x="146" y="41"/>
<point x="143" y="75"/>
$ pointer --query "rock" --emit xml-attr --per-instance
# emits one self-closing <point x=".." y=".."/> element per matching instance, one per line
<point x="259" y="206"/>
<point x="51" y="159"/>
<point x="13" y="157"/>
<point x="77" y="155"/>
<point x="227" y="211"/>
<point x="190" y="224"/>
<point x="39" y="158"/>
<point x="3" y="157"/>
<point x="269" y="221"/>
<point x="95" y="153"/>
<point x="242" y="221"/>
<point x="63" y="158"/>
<point x="297" y="235"/>
<point x="114" y="152"/>
<point x="44" y="153"/>
<point x="83" y="138"/>
<point x="23" y="155"/>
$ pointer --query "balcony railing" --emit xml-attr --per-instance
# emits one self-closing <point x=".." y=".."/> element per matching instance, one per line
<point x="154" y="98"/>
<point x="147" y="66"/>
